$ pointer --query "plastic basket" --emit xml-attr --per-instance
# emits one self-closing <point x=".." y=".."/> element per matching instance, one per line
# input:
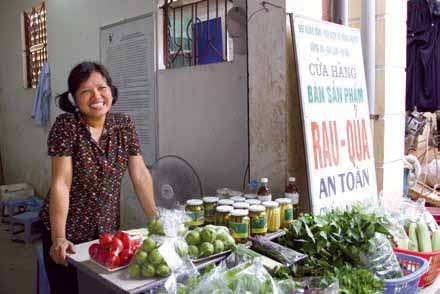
<point x="433" y="261"/>
<point x="413" y="268"/>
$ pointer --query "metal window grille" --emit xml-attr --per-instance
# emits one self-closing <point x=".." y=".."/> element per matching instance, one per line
<point x="35" y="35"/>
<point x="195" y="33"/>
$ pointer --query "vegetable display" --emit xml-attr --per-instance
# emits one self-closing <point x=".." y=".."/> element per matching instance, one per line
<point x="114" y="251"/>
<point x="203" y="242"/>
<point x="421" y="239"/>
<point x="148" y="262"/>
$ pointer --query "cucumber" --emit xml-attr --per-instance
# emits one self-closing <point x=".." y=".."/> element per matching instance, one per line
<point x="413" y="243"/>
<point x="436" y="240"/>
<point x="423" y="238"/>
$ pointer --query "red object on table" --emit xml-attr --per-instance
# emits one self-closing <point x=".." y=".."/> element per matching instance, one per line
<point x="433" y="259"/>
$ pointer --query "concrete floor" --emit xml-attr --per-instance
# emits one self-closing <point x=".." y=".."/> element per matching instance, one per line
<point x="18" y="265"/>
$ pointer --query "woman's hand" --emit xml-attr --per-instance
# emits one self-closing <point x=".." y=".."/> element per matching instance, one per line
<point x="60" y="247"/>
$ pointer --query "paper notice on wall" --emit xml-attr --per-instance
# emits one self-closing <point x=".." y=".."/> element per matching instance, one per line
<point x="127" y="50"/>
<point x="336" y="118"/>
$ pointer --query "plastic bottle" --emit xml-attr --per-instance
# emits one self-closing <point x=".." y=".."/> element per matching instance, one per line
<point x="263" y="191"/>
<point x="292" y="193"/>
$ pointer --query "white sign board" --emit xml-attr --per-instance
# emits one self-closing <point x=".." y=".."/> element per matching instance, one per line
<point x="127" y="50"/>
<point x="336" y="117"/>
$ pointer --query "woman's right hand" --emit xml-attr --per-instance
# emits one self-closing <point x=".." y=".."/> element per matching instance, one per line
<point x="60" y="247"/>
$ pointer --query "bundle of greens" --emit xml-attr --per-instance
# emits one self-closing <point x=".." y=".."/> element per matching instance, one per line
<point x="336" y="240"/>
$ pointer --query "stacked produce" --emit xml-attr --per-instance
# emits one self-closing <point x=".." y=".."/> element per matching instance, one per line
<point x="114" y="251"/>
<point x="421" y="239"/>
<point x="148" y="262"/>
<point x="203" y="242"/>
<point x="341" y="243"/>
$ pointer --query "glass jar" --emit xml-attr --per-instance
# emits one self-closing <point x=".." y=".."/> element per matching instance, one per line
<point x="258" y="218"/>
<point x="286" y="212"/>
<point x="239" y="225"/>
<point x="209" y="205"/>
<point x="238" y="198"/>
<point x="225" y="202"/>
<point x="263" y="192"/>
<point x="273" y="216"/>
<point x="222" y="215"/>
<point x="195" y="210"/>
<point x="253" y="202"/>
<point x="241" y="205"/>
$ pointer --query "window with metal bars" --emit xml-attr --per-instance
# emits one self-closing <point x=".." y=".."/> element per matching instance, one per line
<point x="35" y="42"/>
<point x="195" y="32"/>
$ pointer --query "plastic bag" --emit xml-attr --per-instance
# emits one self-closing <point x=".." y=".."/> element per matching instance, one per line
<point x="170" y="223"/>
<point x="276" y="251"/>
<point x="380" y="259"/>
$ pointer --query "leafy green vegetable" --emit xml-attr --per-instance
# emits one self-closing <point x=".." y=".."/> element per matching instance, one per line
<point x="334" y="240"/>
<point x="356" y="281"/>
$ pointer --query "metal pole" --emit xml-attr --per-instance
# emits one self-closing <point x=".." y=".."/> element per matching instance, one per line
<point x="340" y="14"/>
<point x="368" y="34"/>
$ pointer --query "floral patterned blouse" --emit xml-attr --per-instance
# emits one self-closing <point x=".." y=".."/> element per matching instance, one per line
<point x="97" y="171"/>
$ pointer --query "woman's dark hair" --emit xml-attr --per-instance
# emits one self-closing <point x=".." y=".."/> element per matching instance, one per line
<point x="79" y="74"/>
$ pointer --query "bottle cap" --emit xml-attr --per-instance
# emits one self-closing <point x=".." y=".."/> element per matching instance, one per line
<point x="224" y="208"/>
<point x="225" y="202"/>
<point x="284" y="200"/>
<point x="241" y="205"/>
<point x="264" y="180"/>
<point x="253" y="201"/>
<point x="250" y="196"/>
<point x="194" y="202"/>
<point x="210" y="199"/>
<point x="257" y="208"/>
<point x="239" y="212"/>
<point x="270" y="204"/>
<point x="237" y="198"/>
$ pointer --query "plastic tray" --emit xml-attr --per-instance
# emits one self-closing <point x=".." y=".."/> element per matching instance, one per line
<point x="108" y="269"/>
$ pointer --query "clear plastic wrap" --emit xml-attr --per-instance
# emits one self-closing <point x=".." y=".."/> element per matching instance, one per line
<point x="380" y="259"/>
<point x="280" y="253"/>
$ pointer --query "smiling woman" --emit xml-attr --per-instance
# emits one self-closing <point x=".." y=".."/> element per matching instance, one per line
<point x="91" y="148"/>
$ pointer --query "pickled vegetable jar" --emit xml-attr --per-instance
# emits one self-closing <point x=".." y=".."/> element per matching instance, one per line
<point x="286" y="211"/>
<point x="239" y="225"/>
<point x="209" y="205"/>
<point x="195" y="210"/>
<point x="258" y="218"/>
<point x="222" y="214"/>
<point x="273" y="216"/>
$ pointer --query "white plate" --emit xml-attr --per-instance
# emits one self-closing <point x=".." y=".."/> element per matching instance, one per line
<point x="108" y="269"/>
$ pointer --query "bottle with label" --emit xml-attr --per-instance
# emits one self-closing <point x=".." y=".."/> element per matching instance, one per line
<point x="263" y="192"/>
<point x="292" y="193"/>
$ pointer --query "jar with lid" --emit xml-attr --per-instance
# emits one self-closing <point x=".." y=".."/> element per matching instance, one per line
<point x="291" y="192"/>
<point x="253" y="201"/>
<point x="263" y="191"/>
<point x="241" y="205"/>
<point x="258" y="216"/>
<point x="209" y="205"/>
<point x="195" y="210"/>
<point x="222" y="215"/>
<point x="286" y="211"/>
<point x="273" y="216"/>
<point x="239" y="225"/>
<point x="238" y="198"/>
<point x="225" y="202"/>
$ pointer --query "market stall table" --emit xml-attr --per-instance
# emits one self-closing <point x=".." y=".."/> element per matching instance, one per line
<point x="94" y="279"/>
